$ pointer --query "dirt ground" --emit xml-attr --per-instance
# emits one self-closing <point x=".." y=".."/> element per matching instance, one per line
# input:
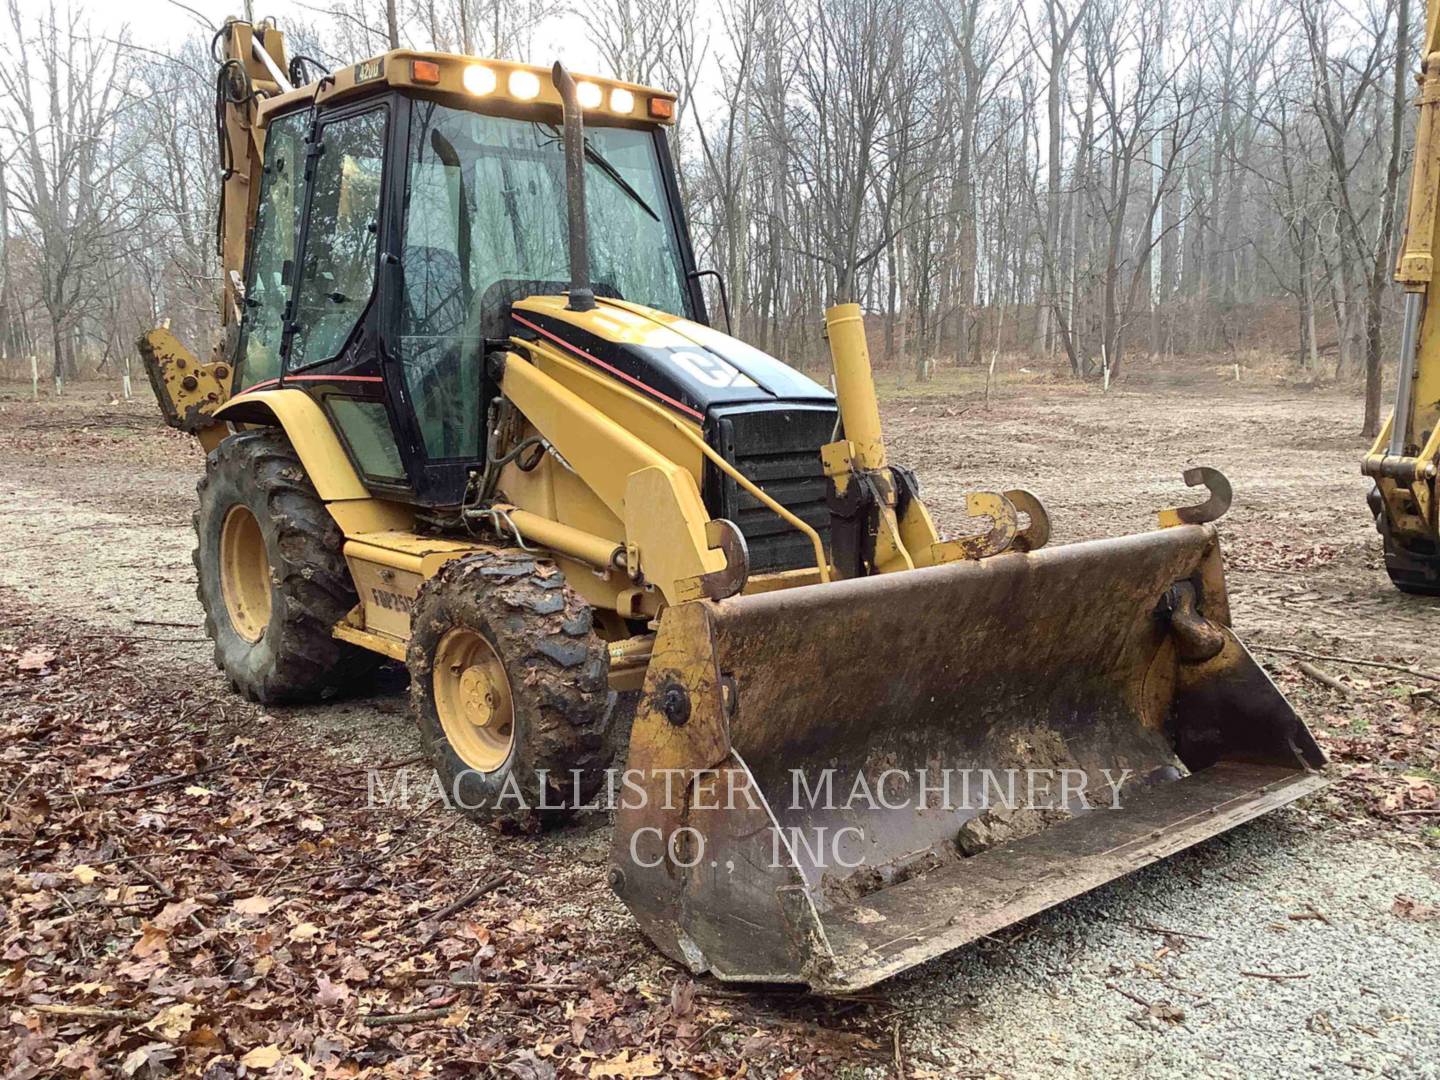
<point x="1304" y="942"/>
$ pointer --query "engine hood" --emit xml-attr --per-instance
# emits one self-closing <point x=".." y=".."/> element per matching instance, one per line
<point x="684" y="365"/>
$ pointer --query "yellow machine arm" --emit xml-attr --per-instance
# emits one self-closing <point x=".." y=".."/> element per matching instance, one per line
<point x="1403" y="460"/>
<point x="252" y="69"/>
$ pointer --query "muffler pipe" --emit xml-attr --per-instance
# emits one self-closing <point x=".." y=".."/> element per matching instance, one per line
<point x="582" y="296"/>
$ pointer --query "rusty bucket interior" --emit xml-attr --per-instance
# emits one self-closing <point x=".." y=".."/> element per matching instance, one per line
<point x="830" y="784"/>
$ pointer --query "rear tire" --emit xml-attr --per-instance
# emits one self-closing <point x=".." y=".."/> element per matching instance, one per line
<point x="1413" y="568"/>
<point x="534" y="685"/>
<point x="1411" y="571"/>
<point x="270" y="575"/>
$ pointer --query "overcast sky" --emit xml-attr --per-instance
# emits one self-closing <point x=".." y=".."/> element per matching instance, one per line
<point x="156" y="24"/>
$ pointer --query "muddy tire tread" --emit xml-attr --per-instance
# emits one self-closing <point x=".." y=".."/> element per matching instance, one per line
<point x="313" y="590"/>
<point x="558" y="668"/>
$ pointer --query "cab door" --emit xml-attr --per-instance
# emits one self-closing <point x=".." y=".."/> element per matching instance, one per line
<point x="332" y="336"/>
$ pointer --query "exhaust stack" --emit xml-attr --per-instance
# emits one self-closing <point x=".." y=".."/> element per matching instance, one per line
<point x="582" y="296"/>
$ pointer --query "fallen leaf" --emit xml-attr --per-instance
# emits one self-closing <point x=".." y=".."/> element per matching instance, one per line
<point x="1407" y="907"/>
<point x="173" y="914"/>
<point x="36" y="658"/>
<point x="304" y="932"/>
<point x="1163" y="1010"/>
<point x="330" y="993"/>
<point x="152" y="940"/>
<point x="173" y="1022"/>
<point x="262" y="1057"/>
<point x="149" y="1054"/>
<point x="86" y="875"/>
<point x="254" y="905"/>
<point x="623" y="1067"/>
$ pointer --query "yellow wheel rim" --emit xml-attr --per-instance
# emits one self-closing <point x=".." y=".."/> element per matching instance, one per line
<point x="245" y="573"/>
<point x="472" y="696"/>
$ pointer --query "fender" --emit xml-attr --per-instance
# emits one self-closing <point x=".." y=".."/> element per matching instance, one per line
<point x="308" y="429"/>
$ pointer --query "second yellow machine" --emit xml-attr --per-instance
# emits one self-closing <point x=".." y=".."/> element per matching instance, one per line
<point x="468" y="413"/>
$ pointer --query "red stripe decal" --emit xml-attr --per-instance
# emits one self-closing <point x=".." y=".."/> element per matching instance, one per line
<point x="313" y="378"/>
<point x="686" y="409"/>
<point x="337" y="378"/>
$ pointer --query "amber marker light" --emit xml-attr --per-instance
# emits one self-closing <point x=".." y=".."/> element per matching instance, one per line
<point x="662" y="108"/>
<point x="426" y="72"/>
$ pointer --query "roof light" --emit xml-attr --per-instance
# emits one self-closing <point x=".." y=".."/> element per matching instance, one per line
<point x="589" y="94"/>
<point x="479" y="80"/>
<point x="524" y="84"/>
<point x="425" y="71"/>
<point x="621" y="100"/>
<point x="662" y="108"/>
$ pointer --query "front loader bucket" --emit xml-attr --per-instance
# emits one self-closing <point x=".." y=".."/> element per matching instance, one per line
<point x="830" y="784"/>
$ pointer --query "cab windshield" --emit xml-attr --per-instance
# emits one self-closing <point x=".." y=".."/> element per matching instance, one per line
<point x="485" y="225"/>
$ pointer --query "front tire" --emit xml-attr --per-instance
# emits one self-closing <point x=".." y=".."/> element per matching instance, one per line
<point x="271" y="576"/>
<point x="509" y="686"/>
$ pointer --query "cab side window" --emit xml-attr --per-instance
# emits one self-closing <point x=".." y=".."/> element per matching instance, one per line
<point x="341" y="237"/>
<point x="277" y="223"/>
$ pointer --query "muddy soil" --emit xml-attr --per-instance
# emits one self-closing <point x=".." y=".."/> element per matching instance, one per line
<point x="1145" y="976"/>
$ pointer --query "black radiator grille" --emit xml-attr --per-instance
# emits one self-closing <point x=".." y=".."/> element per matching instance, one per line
<point x="778" y="448"/>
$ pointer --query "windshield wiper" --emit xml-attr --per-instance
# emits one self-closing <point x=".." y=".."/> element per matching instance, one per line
<point x="614" y="174"/>
<point x="598" y="160"/>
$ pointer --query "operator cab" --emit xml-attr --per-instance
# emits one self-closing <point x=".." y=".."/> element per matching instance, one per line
<point x="404" y="206"/>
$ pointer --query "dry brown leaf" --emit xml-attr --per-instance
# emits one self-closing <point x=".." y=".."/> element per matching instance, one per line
<point x="36" y="658"/>
<point x="262" y="1057"/>
<point x="1407" y="907"/>
<point x="330" y="993"/>
<point x="175" y="913"/>
<point x="173" y="1022"/>
<point x="623" y="1067"/>
<point x="152" y="940"/>
<point x="254" y="905"/>
<point x="86" y="875"/>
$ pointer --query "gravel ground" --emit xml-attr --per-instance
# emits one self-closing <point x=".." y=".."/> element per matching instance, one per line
<point x="1066" y="997"/>
<point x="98" y="532"/>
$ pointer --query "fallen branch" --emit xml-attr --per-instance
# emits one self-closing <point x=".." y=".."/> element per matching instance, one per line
<point x="1177" y="933"/>
<point x="1356" y="661"/>
<point x="160" y="782"/>
<point x="1324" y="679"/>
<point x="93" y="1012"/>
<point x="419" y="1016"/>
<point x="489" y="885"/>
<point x="1136" y="998"/>
<point x="1277" y="974"/>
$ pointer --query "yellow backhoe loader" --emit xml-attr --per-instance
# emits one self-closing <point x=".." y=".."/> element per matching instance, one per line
<point x="468" y="412"/>
<point x="1405" y="458"/>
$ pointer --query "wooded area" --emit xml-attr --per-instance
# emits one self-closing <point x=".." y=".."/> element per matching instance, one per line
<point x="1080" y="179"/>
